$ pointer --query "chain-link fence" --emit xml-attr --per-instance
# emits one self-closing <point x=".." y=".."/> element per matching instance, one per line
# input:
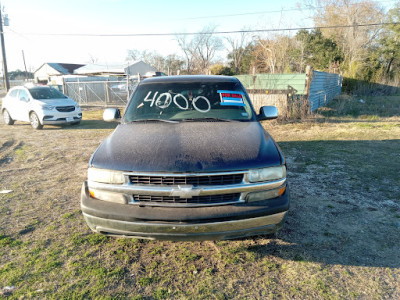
<point x="15" y="83"/>
<point x="100" y="93"/>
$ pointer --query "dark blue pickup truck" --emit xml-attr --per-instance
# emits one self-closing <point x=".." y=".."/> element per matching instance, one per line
<point x="188" y="161"/>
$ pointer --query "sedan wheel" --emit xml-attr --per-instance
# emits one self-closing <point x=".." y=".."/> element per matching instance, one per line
<point x="35" y="121"/>
<point x="7" y="118"/>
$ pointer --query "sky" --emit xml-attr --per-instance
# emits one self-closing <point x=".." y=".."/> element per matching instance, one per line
<point x="48" y="30"/>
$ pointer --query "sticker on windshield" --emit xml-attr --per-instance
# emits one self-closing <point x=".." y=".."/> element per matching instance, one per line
<point x="232" y="98"/>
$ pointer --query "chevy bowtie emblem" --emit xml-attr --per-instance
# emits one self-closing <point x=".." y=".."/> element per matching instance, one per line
<point x="185" y="191"/>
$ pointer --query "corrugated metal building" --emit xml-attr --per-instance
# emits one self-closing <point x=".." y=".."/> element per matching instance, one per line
<point x="323" y="88"/>
<point x="274" y="82"/>
<point x="285" y="90"/>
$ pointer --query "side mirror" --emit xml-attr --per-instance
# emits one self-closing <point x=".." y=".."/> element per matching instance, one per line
<point x="111" y="115"/>
<point x="268" y="113"/>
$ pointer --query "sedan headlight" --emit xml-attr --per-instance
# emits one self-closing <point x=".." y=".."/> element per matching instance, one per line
<point x="105" y="176"/>
<point x="267" y="174"/>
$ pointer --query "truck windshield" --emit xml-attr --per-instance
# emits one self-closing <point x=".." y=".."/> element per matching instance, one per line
<point x="189" y="101"/>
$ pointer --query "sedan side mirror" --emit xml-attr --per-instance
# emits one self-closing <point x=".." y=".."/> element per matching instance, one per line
<point x="268" y="113"/>
<point x="111" y="115"/>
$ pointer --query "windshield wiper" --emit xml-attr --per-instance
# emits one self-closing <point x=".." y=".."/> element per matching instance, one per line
<point x="152" y="120"/>
<point x="207" y="119"/>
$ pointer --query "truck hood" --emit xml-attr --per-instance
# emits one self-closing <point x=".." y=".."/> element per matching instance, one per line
<point x="187" y="147"/>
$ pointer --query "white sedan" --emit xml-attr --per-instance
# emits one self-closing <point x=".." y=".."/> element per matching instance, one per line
<point x="39" y="105"/>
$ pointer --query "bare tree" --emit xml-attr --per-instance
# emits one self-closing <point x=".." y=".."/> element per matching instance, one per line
<point x="187" y="50"/>
<point x="171" y="63"/>
<point x="207" y="45"/>
<point x="133" y="55"/>
<point x="354" y="40"/>
<point x="200" y="50"/>
<point x="266" y="55"/>
<point x="238" y="49"/>
<point x="273" y="54"/>
<point x="93" y="59"/>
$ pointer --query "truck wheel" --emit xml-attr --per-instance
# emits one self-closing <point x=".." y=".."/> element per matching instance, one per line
<point x="7" y="118"/>
<point x="35" y="121"/>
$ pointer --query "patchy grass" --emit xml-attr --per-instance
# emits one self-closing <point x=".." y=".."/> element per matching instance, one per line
<point x="363" y="107"/>
<point x="340" y="240"/>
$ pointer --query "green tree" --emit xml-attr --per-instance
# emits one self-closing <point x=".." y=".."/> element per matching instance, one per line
<point x="390" y="43"/>
<point x="318" y="51"/>
<point x="382" y="60"/>
<point x="220" y="69"/>
<point x="354" y="40"/>
<point x="19" y="75"/>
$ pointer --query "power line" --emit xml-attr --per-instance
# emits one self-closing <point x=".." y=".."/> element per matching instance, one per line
<point x="267" y="12"/>
<point x="198" y="33"/>
<point x="245" y="14"/>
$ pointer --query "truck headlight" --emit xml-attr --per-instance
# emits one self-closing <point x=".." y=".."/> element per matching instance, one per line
<point x="108" y="196"/>
<point x="105" y="176"/>
<point x="267" y="174"/>
<point x="265" y="195"/>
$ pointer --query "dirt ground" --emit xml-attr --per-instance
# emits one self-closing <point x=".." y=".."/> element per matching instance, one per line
<point x="341" y="238"/>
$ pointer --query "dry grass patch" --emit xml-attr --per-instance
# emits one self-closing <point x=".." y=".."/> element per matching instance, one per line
<point x="340" y="240"/>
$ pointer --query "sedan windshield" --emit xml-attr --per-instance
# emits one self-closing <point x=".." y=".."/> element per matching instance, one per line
<point x="183" y="101"/>
<point x="46" y="93"/>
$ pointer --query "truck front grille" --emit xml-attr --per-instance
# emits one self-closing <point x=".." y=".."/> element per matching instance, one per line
<point x="211" y="199"/>
<point x="187" y="180"/>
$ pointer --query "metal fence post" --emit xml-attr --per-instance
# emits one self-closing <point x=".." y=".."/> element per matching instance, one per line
<point x="107" y="92"/>
<point x="64" y="88"/>
<point x="79" y="92"/>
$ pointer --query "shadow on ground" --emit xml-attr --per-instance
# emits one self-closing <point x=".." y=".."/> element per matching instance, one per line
<point x="345" y="204"/>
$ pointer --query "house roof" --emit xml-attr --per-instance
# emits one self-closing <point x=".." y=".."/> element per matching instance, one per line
<point x="95" y="69"/>
<point x="115" y="69"/>
<point x="139" y="67"/>
<point x="65" y="69"/>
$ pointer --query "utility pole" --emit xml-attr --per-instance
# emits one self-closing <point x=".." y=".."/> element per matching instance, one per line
<point x="3" y="51"/>
<point x="26" y="72"/>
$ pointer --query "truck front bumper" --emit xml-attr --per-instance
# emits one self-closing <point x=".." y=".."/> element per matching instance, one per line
<point x="186" y="223"/>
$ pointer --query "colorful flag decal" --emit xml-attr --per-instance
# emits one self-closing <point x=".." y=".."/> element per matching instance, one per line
<point x="233" y="98"/>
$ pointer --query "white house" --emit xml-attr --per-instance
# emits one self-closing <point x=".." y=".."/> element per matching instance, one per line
<point x="48" y="71"/>
<point x="137" y="67"/>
